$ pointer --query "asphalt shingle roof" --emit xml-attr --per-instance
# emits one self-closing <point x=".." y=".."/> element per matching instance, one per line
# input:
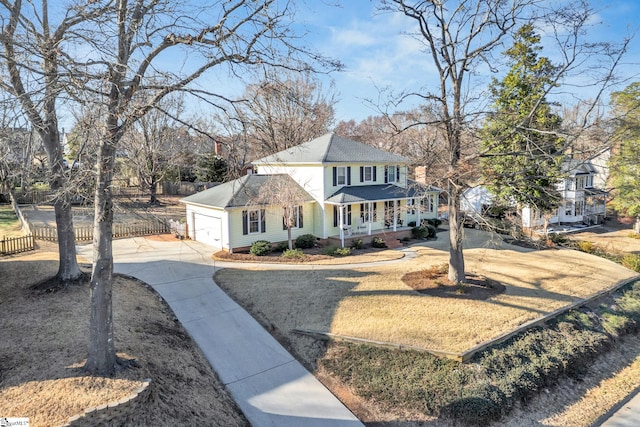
<point x="376" y="193"/>
<point x="244" y="191"/>
<point x="331" y="148"/>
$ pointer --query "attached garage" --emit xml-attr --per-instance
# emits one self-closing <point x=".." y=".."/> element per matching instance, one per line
<point x="207" y="229"/>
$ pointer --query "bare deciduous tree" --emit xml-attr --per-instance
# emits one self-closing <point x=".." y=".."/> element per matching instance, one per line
<point x="128" y="60"/>
<point x="31" y="53"/>
<point x="285" y="110"/>
<point x="153" y="144"/>
<point x="463" y="39"/>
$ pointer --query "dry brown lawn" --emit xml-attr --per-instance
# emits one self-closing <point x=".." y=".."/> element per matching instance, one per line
<point x="614" y="237"/>
<point x="9" y="223"/>
<point x="44" y="343"/>
<point x="374" y="303"/>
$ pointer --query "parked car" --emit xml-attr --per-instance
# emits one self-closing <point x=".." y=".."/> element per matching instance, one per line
<point x="472" y="220"/>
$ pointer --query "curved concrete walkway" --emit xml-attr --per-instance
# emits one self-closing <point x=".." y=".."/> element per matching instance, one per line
<point x="268" y="384"/>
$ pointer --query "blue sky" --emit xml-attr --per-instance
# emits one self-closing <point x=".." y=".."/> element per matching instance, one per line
<point x="376" y="54"/>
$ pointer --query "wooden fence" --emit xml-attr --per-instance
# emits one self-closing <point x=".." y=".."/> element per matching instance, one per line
<point x="119" y="231"/>
<point x="15" y="245"/>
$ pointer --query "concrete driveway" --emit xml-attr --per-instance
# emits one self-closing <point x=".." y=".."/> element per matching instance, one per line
<point x="268" y="384"/>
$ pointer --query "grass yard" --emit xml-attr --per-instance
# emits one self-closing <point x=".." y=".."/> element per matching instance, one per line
<point x="9" y="223"/>
<point x="373" y="303"/>
<point x="398" y="387"/>
<point x="44" y="345"/>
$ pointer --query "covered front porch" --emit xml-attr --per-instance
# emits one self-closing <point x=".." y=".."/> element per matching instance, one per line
<point x="389" y="212"/>
<point x="388" y="235"/>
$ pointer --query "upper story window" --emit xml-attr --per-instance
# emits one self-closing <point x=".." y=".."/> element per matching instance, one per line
<point x="391" y="174"/>
<point x="367" y="173"/>
<point x="341" y="175"/>
<point x="584" y="181"/>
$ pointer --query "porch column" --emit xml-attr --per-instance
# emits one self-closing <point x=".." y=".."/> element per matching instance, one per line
<point x="418" y="209"/>
<point x="341" y="223"/>
<point x="395" y="214"/>
<point x="370" y="219"/>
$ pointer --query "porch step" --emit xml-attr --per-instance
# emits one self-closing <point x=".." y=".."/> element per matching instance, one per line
<point x="393" y="243"/>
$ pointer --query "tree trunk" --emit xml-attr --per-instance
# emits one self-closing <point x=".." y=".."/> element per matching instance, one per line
<point x="636" y="226"/>
<point x="153" y="191"/>
<point x="456" y="257"/>
<point x="290" y="241"/>
<point x="102" y="355"/>
<point x="68" y="269"/>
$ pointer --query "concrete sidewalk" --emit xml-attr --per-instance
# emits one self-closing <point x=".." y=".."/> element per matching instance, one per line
<point x="268" y="384"/>
<point x="627" y="414"/>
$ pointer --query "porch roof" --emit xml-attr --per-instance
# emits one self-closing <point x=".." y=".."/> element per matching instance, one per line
<point x="377" y="193"/>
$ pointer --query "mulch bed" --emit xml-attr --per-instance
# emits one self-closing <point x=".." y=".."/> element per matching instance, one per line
<point x="435" y="283"/>
<point x="308" y="257"/>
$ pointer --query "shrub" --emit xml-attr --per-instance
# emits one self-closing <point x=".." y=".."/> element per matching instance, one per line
<point x="282" y="246"/>
<point x="343" y="251"/>
<point x="585" y="246"/>
<point x="305" y="241"/>
<point x="419" y="232"/>
<point x="260" y="248"/>
<point x="329" y="250"/>
<point x="632" y="262"/>
<point x="411" y="224"/>
<point x="435" y="222"/>
<point x="423" y="231"/>
<point x="357" y="244"/>
<point x="336" y="251"/>
<point x="558" y="239"/>
<point x="479" y="405"/>
<point x="292" y="254"/>
<point x="378" y="242"/>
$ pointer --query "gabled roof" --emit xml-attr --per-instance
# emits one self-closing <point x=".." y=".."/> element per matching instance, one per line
<point x="574" y="167"/>
<point x="331" y="148"/>
<point x="245" y="191"/>
<point x="377" y="193"/>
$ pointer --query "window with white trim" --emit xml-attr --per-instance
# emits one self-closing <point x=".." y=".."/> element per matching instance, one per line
<point x="296" y="218"/>
<point x="392" y="172"/>
<point x="341" y="175"/>
<point x="367" y="174"/>
<point x="254" y="221"/>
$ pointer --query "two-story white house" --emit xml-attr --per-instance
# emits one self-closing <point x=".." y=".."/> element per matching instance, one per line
<point x="583" y="191"/>
<point x="352" y="190"/>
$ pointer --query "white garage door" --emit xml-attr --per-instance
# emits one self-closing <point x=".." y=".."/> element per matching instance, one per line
<point x="208" y="229"/>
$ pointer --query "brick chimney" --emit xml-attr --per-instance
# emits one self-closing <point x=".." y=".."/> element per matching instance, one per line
<point x="420" y="173"/>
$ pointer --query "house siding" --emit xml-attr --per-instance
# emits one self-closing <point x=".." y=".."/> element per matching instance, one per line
<point x="310" y="177"/>
<point x="192" y="210"/>
<point x="273" y="221"/>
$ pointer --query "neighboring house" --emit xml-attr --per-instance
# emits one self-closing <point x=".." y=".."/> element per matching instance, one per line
<point x="583" y="191"/>
<point x="476" y="200"/>
<point x="352" y="190"/>
<point x="583" y="194"/>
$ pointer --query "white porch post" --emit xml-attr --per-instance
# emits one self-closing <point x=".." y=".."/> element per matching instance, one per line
<point x="341" y="222"/>
<point x="418" y="207"/>
<point x="395" y="214"/>
<point x="370" y="219"/>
